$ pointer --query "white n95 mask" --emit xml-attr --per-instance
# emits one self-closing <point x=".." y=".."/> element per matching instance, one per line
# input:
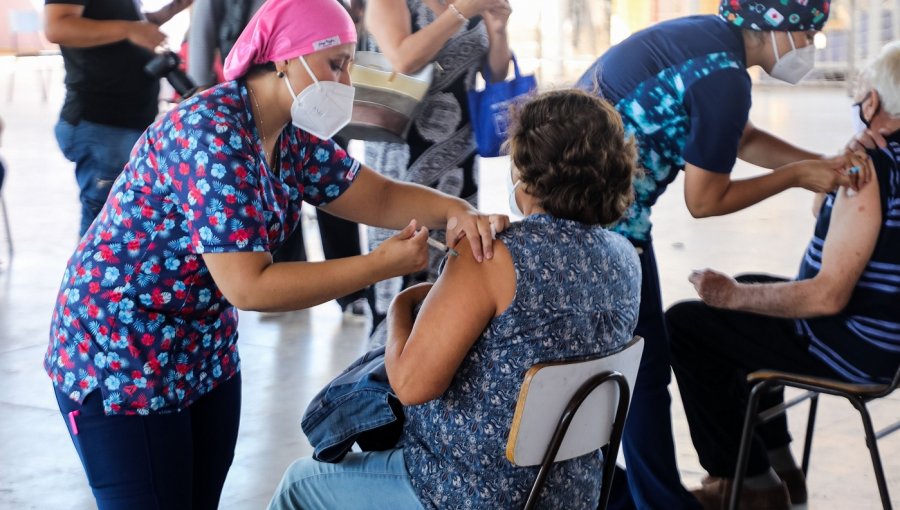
<point x="795" y="64"/>
<point x="511" y="191"/>
<point x="322" y="108"/>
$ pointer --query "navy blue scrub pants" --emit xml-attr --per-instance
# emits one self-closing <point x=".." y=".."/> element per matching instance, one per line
<point x="161" y="461"/>
<point x="648" y="445"/>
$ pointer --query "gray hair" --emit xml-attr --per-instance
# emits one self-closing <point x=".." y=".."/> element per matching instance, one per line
<point x="883" y="75"/>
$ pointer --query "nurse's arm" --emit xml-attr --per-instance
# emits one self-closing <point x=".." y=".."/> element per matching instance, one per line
<point x="375" y="200"/>
<point x="761" y="148"/>
<point x="251" y="281"/>
<point x="709" y="193"/>
<point x="423" y="353"/>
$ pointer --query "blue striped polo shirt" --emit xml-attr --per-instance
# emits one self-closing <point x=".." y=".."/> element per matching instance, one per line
<point x="862" y="343"/>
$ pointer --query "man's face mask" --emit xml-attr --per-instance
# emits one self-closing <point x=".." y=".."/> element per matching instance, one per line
<point x="322" y="108"/>
<point x="864" y="123"/>
<point x="793" y="65"/>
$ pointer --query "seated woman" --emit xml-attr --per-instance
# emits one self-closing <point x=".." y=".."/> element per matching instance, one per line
<point x="560" y="286"/>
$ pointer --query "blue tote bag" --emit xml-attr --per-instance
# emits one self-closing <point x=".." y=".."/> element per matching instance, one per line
<point x="489" y="108"/>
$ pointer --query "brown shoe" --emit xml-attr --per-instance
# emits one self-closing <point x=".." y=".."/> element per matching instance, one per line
<point x="714" y="494"/>
<point x="796" y="485"/>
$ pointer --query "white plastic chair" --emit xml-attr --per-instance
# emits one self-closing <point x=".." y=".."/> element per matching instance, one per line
<point x="565" y="410"/>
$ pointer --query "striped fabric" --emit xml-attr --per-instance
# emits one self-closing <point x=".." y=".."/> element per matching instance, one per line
<point x="862" y="343"/>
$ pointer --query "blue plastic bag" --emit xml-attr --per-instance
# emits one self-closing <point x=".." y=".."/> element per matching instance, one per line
<point x="489" y="108"/>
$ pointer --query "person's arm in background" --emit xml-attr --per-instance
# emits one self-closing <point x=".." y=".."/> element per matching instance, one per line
<point x="202" y="41"/>
<point x="65" y="25"/>
<point x="496" y="21"/>
<point x="424" y="352"/>
<point x="852" y="234"/>
<point x="389" y="22"/>
<point x="167" y="12"/>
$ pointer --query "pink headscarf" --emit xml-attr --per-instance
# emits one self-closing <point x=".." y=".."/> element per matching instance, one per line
<point x="287" y="29"/>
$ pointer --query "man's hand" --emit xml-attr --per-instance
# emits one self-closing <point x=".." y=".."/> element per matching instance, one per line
<point x="714" y="288"/>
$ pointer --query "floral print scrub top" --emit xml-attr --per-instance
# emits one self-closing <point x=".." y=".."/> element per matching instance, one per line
<point x="138" y="316"/>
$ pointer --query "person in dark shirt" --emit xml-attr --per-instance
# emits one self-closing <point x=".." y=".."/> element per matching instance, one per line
<point x="683" y="91"/>
<point x="110" y="100"/>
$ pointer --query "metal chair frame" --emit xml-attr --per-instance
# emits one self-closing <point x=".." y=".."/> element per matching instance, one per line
<point x="857" y="394"/>
<point x="609" y="460"/>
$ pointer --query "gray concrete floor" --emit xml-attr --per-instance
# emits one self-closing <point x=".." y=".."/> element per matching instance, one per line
<point x="287" y="358"/>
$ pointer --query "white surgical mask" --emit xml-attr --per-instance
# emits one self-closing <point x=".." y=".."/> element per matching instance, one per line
<point x="322" y="108"/>
<point x="795" y="64"/>
<point x="511" y="190"/>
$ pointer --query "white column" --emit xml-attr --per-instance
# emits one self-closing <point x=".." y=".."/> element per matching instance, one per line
<point x="874" y="26"/>
<point x="552" y="44"/>
<point x="895" y="15"/>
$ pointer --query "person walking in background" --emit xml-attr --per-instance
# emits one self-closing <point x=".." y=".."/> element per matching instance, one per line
<point x="215" y="27"/>
<point x="461" y="36"/>
<point x="110" y="100"/>
<point x="684" y="93"/>
<point x="142" y="348"/>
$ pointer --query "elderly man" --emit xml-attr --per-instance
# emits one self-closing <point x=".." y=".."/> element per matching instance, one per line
<point x="840" y="318"/>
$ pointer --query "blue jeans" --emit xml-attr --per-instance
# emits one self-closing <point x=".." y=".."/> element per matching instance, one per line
<point x="362" y="481"/>
<point x="647" y="444"/>
<point x="175" y="461"/>
<point x="99" y="153"/>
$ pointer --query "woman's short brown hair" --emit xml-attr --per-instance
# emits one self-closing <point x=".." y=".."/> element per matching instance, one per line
<point x="572" y="155"/>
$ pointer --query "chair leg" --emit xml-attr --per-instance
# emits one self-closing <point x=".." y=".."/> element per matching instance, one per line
<point x="810" y="424"/>
<point x="872" y="443"/>
<point x="746" y="440"/>
<point x="615" y="440"/>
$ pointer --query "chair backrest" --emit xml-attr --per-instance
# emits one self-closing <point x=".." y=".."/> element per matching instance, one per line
<point x="546" y="391"/>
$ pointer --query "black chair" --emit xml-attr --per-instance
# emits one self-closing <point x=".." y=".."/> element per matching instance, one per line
<point x="858" y="395"/>
<point x="550" y="406"/>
